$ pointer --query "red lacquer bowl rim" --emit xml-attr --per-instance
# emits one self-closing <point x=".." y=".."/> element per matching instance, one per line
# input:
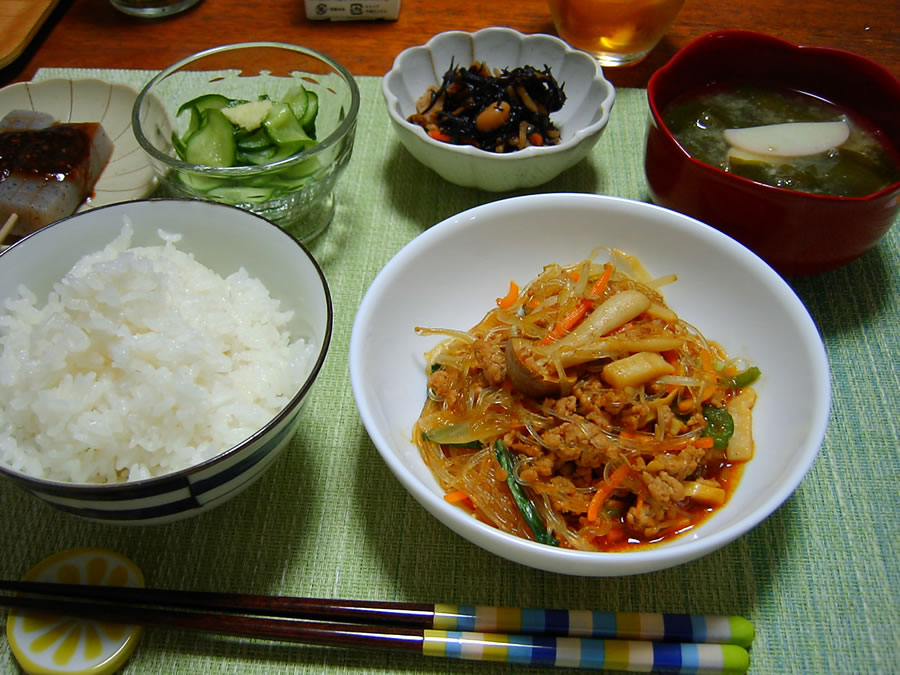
<point x="753" y="40"/>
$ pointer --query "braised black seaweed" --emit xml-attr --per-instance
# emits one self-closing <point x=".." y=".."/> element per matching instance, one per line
<point x="499" y="111"/>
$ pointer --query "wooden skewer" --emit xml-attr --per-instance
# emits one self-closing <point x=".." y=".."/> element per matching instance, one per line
<point x="8" y="226"/>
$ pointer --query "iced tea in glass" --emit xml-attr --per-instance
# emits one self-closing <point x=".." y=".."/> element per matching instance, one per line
<point x="616" y="32"/>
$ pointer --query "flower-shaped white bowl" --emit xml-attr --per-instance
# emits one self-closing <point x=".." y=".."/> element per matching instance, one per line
<point x="510" y="239"/>
<point x="581" y="120"/>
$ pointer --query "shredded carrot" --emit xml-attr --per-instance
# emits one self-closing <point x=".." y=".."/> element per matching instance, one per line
<point x="567" y="323"/>
<point x="686" y="405"/>
<point x="510" y="297"/>
<point x="455" y="496"/>
<point x="612" y="482"/>
<point x="535" y="139"/>
<point x="574" y="317"/>
<point x="704" y="442"/>
<point x="439" y="135"/>
<point x="601" y="283"/>
<point x="671" y="356"/>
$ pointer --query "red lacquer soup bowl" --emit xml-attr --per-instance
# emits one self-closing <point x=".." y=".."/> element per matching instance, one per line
<point x="797" y="233"/>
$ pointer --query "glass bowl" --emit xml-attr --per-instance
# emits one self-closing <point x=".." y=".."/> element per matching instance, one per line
<point x="295" y="192"/>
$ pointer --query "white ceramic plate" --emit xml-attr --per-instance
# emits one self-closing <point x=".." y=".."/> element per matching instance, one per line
<point x="128" y="175"/>
<point x="449" y="276"/>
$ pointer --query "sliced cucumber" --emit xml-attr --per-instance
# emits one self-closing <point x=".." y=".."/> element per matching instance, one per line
<point x="213" y="143"/>
<point x="199" y="182"/>
<point x="253" y="140"/>
<point x="214" y="139"/>
<point x="205" y="102"/>
<point x="241" y="195"/>
<point x="256" y="157"/>
<point x="284" y="128"/>
<point x="297" y="98"/>
<point x="308" y="121"/>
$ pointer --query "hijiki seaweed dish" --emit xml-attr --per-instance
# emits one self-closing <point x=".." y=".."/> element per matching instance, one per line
<point x="495" y="110"/>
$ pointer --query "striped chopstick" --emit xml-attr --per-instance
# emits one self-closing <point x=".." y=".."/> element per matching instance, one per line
<point x="564" y="638"/>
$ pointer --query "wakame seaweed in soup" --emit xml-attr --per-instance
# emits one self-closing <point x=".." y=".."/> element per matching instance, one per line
<point x="862" y="165"/>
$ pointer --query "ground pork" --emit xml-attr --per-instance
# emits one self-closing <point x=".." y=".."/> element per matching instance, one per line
<point x="491" y="359"/>
<point x="681" y="464"/>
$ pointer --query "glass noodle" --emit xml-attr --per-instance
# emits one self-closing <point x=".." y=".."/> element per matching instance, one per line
<point x="582" y="412"/>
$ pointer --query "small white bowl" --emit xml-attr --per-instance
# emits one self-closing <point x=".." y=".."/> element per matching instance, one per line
<point x="223" y="238"/>
<point x="581" y="120"/>
<point x="723" y="289"/>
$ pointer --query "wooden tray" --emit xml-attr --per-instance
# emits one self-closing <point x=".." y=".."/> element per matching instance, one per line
<point x="19" y="22"/>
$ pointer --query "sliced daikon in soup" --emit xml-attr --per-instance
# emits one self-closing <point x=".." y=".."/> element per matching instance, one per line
<point x="791" y="139"/>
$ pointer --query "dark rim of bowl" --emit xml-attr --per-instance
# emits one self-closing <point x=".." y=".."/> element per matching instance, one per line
<point x="344" y="129"/>
<point x="86" y="489"/>
<point x="762" y="39"/>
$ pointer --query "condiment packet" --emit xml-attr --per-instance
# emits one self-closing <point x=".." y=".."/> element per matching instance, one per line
<point x="352" y="10"/>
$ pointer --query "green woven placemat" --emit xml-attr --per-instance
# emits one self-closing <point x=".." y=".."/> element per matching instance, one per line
<point x="819" y="579"/>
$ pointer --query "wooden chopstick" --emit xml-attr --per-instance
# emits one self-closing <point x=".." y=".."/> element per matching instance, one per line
<point x="408" y="627"/>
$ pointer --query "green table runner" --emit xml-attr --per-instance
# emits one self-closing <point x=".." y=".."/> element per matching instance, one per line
<point x="819" y="579"/>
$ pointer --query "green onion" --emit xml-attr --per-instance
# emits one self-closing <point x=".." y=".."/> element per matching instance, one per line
<point x="526" y="506"/>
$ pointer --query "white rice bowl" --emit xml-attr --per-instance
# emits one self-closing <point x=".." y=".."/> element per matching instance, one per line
<point x="141" y="362"/>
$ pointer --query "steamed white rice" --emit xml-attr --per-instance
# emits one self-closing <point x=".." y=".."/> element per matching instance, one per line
<point x="141" y="362"/>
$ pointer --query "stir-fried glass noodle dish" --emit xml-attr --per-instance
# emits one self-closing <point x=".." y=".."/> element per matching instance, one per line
<point x="582" y="412"/>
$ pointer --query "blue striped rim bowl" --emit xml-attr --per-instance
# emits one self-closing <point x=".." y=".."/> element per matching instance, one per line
<point x="224" y="239"/>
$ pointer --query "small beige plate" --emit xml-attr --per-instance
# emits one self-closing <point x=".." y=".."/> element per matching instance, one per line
<point x="128" y="175"/>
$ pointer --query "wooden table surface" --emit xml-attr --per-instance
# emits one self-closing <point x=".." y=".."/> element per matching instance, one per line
<point x="91" y="34"/>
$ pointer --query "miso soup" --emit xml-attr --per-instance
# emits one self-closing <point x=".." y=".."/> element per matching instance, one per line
<point x="863" y="164"/>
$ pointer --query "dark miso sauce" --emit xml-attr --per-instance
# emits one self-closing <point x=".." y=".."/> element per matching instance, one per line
<point x="58" y="152"/>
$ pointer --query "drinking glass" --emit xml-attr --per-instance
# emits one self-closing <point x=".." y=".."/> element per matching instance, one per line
<point x="616" y="32"/>
<point x="152" y="9"/>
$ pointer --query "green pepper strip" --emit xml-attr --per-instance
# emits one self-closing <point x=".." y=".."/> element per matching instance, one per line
<point x="526" y="506"/>
<point x="744" y="378"/>
<point x="471" y="445"/>
<point x="719" y="426"/>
